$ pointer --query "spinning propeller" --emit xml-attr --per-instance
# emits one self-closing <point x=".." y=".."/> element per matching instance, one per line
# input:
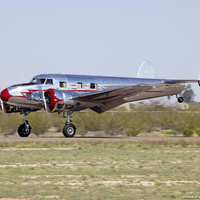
<point x="44" y="99"/>
<point x="2" y="104"/>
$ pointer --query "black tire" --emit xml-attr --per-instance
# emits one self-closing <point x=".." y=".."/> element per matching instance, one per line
<point x="22" y="132"/>
<point x="69" y="130"/>
<point x="180" y="99"/>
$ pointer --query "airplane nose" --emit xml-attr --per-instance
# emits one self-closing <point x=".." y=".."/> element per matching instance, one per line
<point x="5" y="95"/>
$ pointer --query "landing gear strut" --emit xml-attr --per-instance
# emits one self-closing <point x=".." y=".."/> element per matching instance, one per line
<point x="24" y="129"/>
<point x="69" y="129"/>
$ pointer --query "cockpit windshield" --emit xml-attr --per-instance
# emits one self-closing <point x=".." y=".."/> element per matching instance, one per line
<point x="42" y="81"/>
<point x="37" y="81"/>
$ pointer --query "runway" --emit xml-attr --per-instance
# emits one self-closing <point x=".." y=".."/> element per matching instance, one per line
<point x="100" y="139"/>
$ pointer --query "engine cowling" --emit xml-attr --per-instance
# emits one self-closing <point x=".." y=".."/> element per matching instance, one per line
<point x="57" y="100"/>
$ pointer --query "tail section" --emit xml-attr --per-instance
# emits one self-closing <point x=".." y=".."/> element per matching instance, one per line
<point x="146" y="70"/>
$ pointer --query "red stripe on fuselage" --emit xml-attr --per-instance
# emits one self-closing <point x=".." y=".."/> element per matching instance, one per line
<point x="30" y="92"/>
<point x="5" y="95"/>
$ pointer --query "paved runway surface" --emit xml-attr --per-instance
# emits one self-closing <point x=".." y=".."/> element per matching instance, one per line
<point x="103" y="139"/>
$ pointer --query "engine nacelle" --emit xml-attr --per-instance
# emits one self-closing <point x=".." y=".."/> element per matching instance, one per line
<point x="57" y="100"/>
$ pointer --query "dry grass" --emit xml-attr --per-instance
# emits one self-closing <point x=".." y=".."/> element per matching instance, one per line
<point x="99" y="170"/>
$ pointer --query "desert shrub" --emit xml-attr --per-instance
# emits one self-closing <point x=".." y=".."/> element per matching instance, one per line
<point x="197" y="131"/>
<point x="173" y="132"/>
<point x="111" y="123"/>
<point x="194" y="106"/>
<point x="164" y="120"/>
<point x="39" y="122"/>
<point x="57" y="121"/>
<point x="188" y="132"/>
<point x="134" y="124"/>
<point x="132" y="132"/>
<point x="87" y="121"/>
<point x="188" y="123"/>
<point x="9" y="123"/>
<point x="114" y="123"/>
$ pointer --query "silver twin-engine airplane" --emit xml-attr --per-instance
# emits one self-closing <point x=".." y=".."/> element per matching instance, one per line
<point x="65" y="93"/>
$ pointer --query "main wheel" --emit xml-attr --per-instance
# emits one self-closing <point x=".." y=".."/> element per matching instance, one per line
<point x="69" y="130"/>
<point x="23" y="132"/>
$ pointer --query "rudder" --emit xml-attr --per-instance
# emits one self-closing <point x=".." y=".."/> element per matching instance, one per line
<point x="146" y="70"/>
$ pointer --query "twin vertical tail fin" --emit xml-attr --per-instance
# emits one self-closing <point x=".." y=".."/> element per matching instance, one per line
<point x="199" y="78"/>
<point x="146" y="70"/>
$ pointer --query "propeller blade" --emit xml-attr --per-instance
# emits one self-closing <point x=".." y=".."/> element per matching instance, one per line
<point x="2" y="106"/>
<point x="42" y="97"/>
<point x="45" y="104"/>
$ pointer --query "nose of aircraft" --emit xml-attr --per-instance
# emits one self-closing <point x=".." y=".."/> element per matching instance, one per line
<point x="5" y="95"/>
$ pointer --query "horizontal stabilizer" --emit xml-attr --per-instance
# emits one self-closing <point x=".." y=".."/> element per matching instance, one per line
<point x="179" y="81"/>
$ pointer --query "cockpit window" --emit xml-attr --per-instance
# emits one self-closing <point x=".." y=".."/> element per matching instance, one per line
<point x="37" y="81"/>
<point x="42" y="81"/>
<point x="49" y="82"/>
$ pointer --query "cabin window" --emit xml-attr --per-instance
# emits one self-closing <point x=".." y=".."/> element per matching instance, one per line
<point x="93" y="85"/>
<point x="49" y="82"/>
<point x="80" y="85"/>
<point x="63" y="84"/>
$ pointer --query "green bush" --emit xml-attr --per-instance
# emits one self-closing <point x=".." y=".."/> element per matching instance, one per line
<point x="9" y="123"/>
<point x="132" y="132"/>
<point x="188" y="132"/>
<point x="57" y="121"/>
<point x="173" y="132"/>
<point x="40" y="122"/>
<point x="87" y="121"/>
<point x="197" y="131"/>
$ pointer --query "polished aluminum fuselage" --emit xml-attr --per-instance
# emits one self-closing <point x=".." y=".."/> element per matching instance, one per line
<point x="108" y="82"/>
<point x="19" y="94"/>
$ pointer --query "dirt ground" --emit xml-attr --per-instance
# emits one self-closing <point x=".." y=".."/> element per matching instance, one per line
<point x="103" y="139"/>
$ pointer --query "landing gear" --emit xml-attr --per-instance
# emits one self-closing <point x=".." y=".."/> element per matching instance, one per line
<point x="179" y="99"/>
<point x="24" y="129"/>
<point x="69" y="129"/>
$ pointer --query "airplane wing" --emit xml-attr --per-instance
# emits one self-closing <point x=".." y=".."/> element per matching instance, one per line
<point x="108" y="99"/>
<point x="179" y="81"/>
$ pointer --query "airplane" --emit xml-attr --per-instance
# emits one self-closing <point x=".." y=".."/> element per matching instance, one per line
<point x="67" y="93"/>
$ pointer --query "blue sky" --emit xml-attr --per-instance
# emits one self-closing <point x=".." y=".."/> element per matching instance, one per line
<point x="99" y="38"/>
